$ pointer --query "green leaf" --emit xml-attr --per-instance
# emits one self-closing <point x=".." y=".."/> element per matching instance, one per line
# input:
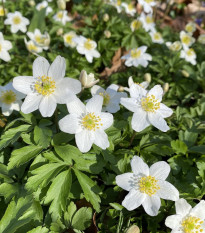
<point x="82" y="219"/>
<point x="198" y="149"/>
<point x="90" y="189"/>
<point x="8" y="190"/>
<point x="42" y="136"/>
<point x="58" y="193"/>
<point x="43" y="175"/>
<point x="23" y="155"/>
<point x="70" y="212"/>
<point x="12" y="135"/>
<point x="38" y="20"/>
<point x="39" y="230"/>
<point x="179" y="146"/>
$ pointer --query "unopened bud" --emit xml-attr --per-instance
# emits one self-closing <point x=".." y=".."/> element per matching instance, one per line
<point x="106" y="17"/>
<point x="120" y="89"/>
<point x="32" y="3"/>
<point x="133" y="229"/>
<point x="60" y="32"/>
<point x="107" y="34"/>
<point x="166" y="87"/>
<point x="185" y="73"/>
<point x="87" y="81"/>
<point x="61" y="4"/>
<point x="148" y="77"/>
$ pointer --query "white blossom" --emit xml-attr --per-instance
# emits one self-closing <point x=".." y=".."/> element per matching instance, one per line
<point x="62" y="16"/>
<point x="5" y="45"/>
<point x="189" y="55"/>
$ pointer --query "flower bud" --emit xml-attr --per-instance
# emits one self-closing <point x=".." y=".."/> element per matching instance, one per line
<point x="185" y="73"/>
<point x="107" y="34"/>
<point x="133" y="229"/>
<point x="148" y="77"/>
<point x="166" y="87"/>
<point x="87" y="81"/>
<point x="3" y="11"/>
<point x="106" y="17"/>
<point x="120" y="89"/>
<point x="61" y="4"/>
<point x="60" y="32"/>
<point x="32" y="3"/>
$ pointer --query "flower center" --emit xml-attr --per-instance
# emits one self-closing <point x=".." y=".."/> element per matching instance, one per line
<point x="2" y="13"/>
<point x="68" y="39"/>
<point x="157" y="36"/>
<point x="148" y="185"/>
<point x="150" y="104"/>
<point x="88" y="45"/>
<point x="148" y="1"/>
<point x="118" y="2"/>
<point x="190" y="52"/>
<point x="186" y="40"/>
<point x="189" y="28"/>
<point x="192" y="224"/>
<point x="32" y="47"/>
<point x="106" y="97"/>
<point x="16" y="20"/>
<point x="149" y="20"/>
<point x="45" y="86"/>
<point x="60" y="15"/>
<point x="91" y="122"/>
<point x="136" y="24"/>
<point x="135" y="53"/>
<point x="39" y="39"/>
<point x="130" y="7"/>
<point x="8" y="97"/>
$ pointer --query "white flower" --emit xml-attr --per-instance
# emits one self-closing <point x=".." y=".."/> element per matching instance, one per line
<point x="147" y="108"/>
<point x="41" y="40"/>
<point x="189" y="55"/>
<point x="201" y="39"/>
<point x="87" y="123"/>
<point x="32" y="47"/>
<point x="175" y="46"/>
<point x="5" y="45"/>
<point x="146" y="186"/>
<point x="187" y="219"/>
<point x="144" y="84"/>
<point x="135" y="24"/>
<point x="10" y="99"/>
<point x="17" y="22"/>
<point x="68" y="39"/>
<point x="116" y="4"/>
<point x="156" y="37"/>
<point x="129" y="8"/>
<point x="186" y="39"/>
<point x="46" y="87"/>
<point x="137" y="57"/>
<point x="43" y="5"/>
<point x="111" y="97"/>
<point x="147" y="22"/>
<point x="190" y="28"/>
<point x="147" y="5"/>
<point x="87" y="47"/>
<point x="87" y="80"/>
<point x="3" y="11"/>
<point x="62" y="16"/>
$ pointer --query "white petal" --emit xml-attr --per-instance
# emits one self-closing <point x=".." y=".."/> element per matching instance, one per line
<point x="136" y="91"/>
<point x="165" y="111"/>
<point x="199" y="210"/>
<point x="76" y="106"/>
<point x="133" y="199"/>
<point x="89" y="57"/>
<point x="167" y="191"/>
<point x="139" y="166"/>
<point x="182" y="207"/>
<point x="151" y="205"/>
<point x="47" y="106"/>
<point x="173" y="221"/>
<point x="130" y="104"/>
<point x="95" y="104"/>
<point x="84" y="141"/>
<point x="23" y="84"/>
<point x="40" y="67"/>
<point x="70" y="124"/>
<point x="6" y="109"/>
<point x="160" y="170"/>
<point x="101" y="139"/>
<point x="95" y="90"/>
<point x="140" y="120"/>
<point x="106" y="120"/>
<point x="157" y="91"/>
<point x="4" y="55"/>
<point x="16" y="105"/>
<point x="31" y="103"/>
<point x="112" y="89"/>
<point x="72" y="85"/>
<point x="124" y="181"/>
<point x="157" y="121"/>
<point x="57" y="68"/>
<point x="112" y="107"/>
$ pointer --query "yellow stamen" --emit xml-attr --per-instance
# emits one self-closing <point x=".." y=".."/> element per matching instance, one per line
<point x="135" y="53"/>
<point x="190" y="52"/>
<point x="148" y="1"/>
<point x="118" y="2"/>
<point x="2" y="12"/>
<point x="91" y="121"/>
<point x="45" y="85"/>
<point x="130" y="7"/>
<point x="16" y="20"/>
<point x="69" y="38"/>
<point x="149" y="20"/>
<point x="31" y="47"/>
<point x="8" y="97"/>
<point x="186" y="39"/>
<point x="88" y="44"/>
<point x="60" y="15"/>
<point x="106" y="98"/>
<point x="148" y="185"/>
<point x="157" y="36"/>
<point x="150" y="104"/>
<point x="192" y="224"/>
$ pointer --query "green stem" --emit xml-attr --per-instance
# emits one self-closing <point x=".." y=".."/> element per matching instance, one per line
<point x="132" y="138"/>
<point x="56" y="120"/>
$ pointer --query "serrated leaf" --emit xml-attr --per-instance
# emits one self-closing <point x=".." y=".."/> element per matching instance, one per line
<point x="70" y="212"/>
<point x="39" y="230"/>
<point x="8" y="190"/>
<point x="58" y="193"/>
<point x="82" y="218"/>
<point x="38" y="20"/>
<point x="179" y="146"/>
<point x="23" y="155"/>
<point x="42" y="136"/>
<point x="90" y="189"/>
